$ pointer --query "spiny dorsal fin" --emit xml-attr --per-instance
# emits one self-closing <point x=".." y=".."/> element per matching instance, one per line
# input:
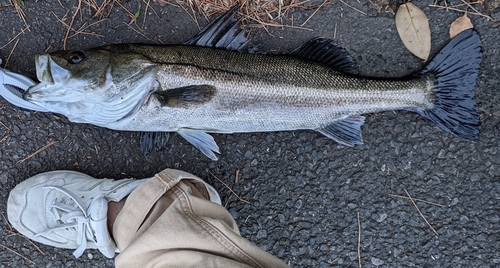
<point x="225" y="32"/>
<point x="327" y="52"/>
<point x="188" y="96"/>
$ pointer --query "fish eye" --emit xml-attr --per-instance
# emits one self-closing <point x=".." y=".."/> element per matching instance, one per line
<point x="75" y="57"/>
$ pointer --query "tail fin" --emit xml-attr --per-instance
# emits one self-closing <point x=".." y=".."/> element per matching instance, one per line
<point x="456" y="68"/>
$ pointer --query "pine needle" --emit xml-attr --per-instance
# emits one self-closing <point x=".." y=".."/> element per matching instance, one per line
<point x="37" y="152"/>
<point x="18" y="254"/>
<point x="71" y="23"/>
<point x="411" y="199"/>
<point x="355" y="9"/>
<point x="14" y="38"/>
<point x="421" y="200"/>
<point x="359" y="241"/>
<point x="10" y="54"/>
<point x="229" y="188"/>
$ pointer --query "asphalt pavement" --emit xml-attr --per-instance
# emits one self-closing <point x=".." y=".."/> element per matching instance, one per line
<point x="298" y="195"/>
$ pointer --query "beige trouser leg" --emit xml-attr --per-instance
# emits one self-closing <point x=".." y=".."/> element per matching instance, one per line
<point x="169" y="222"/>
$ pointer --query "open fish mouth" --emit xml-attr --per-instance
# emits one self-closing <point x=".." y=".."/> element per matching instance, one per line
<point x="43" y="68"/>
<point x="49" y="72"/>
<point x="53" y="79"/>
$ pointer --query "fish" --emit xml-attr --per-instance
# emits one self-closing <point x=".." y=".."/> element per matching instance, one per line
<point x="210" y="84"/>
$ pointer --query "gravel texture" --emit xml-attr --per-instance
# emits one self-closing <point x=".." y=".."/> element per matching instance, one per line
<point x="304" y="191"/>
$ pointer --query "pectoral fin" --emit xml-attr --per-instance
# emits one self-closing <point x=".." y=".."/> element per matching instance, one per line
<point x="201" y="140"/>
<point x="346" y="131"/>
<point x="184" y="97"/>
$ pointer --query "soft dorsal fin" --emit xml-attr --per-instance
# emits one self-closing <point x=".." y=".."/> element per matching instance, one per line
<point x="225" y="32"/>
<point x="327" y="52"/>
<point x="185" y="97"/>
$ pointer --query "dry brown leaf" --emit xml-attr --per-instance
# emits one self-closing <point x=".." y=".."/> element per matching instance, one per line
<point x="413" y="29"/>
<point x="459" y="25"/>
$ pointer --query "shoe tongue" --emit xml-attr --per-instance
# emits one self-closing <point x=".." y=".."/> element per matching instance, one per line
<point x="98" y="214"/>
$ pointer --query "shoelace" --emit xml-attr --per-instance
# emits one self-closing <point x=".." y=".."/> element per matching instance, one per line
<point x="72" y="218"/>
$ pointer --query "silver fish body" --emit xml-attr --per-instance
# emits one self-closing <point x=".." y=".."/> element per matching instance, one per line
<point x="257" y="93"/>
<point x="196" y="90"/>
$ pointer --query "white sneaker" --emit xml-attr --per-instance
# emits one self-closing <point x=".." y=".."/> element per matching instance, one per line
<point x="67" y="209"/>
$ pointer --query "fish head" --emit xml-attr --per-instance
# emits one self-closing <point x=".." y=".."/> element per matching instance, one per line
<point x="91" y="86"/>
<point x="72" y="76"/>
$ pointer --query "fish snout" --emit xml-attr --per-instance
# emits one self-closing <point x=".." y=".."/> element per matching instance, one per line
<point x="35" y="92"/>
<point x="32" y="95"/>
<point x="26" y="96"/>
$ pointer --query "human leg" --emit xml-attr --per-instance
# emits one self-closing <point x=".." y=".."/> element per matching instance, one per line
<point x="167" y="220"/>
<point x="173" y="207"/>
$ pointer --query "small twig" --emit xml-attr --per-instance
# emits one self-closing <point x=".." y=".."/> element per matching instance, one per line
<point x="421" y="200"/>
<point x="193" y="16"/>
<point x="20" y="11"/>
<point x="281" y="25"/>
<point x="280" y="7"/>
<point x="411" y="199"/>
<point x="10" y="54"/>
<point x="71" y="23"/>
<point x="463" y="11"/>
<point x="13" y="232"/>
<point x="236" y="178"/>
<point x="1" y="123"/>
<point x="85" y="27"/>
<point x="470" y="6"/>
<point x="132" y="28"/>
<point x="6" y="221"/>
<point x="154" y="11"/>
<point x="14" y="38"/>
<point x="37" y="151"/>
<point x="223" y="183"/>
<point x="148" y="6"/>
<point x="359" y="241"/>
<point x="373" y="4"/>
<point x="335" y="260"/>
<point x="81" y="29"/>
<point x="15" y="252"/>
<point x="353" y="8"/>
<point x="316" y="11"/>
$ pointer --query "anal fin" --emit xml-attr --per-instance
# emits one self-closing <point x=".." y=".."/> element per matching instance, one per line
<point x="201" y="140"/>
<point x="346" y="131"/>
